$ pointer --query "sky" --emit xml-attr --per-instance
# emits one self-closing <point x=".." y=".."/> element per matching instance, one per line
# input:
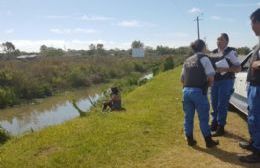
<point x="75" y="24"/>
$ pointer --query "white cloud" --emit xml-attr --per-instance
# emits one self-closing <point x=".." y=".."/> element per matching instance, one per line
<point x="73" y="31"/>
<point x="9" y="31"/>
<point x="81" y="17"/>
<point x="34" y="45"/>
<point x="60" y="31"/>
<point x="130" y="23"/>
<point x="195" y="10"/>
<point x="215" y="17"/>
<point x="95" y="18"/>
<point x="58" y="17"/>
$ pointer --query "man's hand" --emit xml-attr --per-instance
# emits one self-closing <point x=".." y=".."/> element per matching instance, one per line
<point x="256" y="65"/>
<point x="220" y="70"/>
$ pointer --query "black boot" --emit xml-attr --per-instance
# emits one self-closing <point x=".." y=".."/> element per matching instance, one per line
<point x="191" y="141"/>
<point x="219" y="132"/>
<point x="246" y="145"/>
<point x="252" y="158"/>
<point x="214" y="126"/>
<point x="210" y="142"/>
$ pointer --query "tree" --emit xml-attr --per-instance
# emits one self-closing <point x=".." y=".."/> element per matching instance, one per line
<point x="243" y="50"/>
<point x="92" y="47"/>
<point x="43" y="48"/>
<point x="100" y="49"/>
<point x="100" y="46"/>
<point x="51" y="51"/>
<point x="8" y="47"/>
<point x="137" y="44"/>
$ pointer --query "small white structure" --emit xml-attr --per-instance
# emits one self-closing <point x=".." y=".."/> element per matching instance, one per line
<point x="27" y="56"/>
<point x="138" y="52"/>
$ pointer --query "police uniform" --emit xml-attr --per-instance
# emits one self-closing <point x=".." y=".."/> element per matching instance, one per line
<point x="222" y="88"/>
<point x="253" y="96"/>
<point x="195" y="71"/>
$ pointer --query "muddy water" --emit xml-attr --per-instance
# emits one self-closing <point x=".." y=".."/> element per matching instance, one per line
<point x="49" y="111"/>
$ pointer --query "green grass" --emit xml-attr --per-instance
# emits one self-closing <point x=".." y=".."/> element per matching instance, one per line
<point x="148" y="134"/>
<point x="118" y="139"/>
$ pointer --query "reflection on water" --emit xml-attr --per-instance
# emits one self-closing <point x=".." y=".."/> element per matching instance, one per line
<point x="50" y="111"/>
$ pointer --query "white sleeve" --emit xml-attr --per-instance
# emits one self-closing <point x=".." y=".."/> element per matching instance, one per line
<point x="209" y="70"/>
<point x="232" y="56"/>
<point x="182" y="74"/>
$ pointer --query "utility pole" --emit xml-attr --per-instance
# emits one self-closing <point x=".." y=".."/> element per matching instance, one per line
<point x="198" y="25"/>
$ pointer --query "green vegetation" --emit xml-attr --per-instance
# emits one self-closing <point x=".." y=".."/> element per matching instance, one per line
<point x="57" y="70"/>
<point x="22" y="80"/>
<point x="148" y="134"/>
<point x="118" y="139"/>
<point x="4" y="136"/>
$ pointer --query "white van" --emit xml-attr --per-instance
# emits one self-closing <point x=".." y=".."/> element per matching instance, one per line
<point x="239" y="97"/>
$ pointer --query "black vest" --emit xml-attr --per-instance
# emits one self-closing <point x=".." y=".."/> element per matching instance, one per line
<point x="228" y="75"/>
<point x="194" y="73"/>
<point x="254" y="76"/>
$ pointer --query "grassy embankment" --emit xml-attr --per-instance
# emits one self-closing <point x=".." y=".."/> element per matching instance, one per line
<point x="148" y="134"/>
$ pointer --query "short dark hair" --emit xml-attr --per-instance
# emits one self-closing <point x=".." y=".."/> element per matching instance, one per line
<point x="225" y="35"/>
<point x="114" y="90"/>
<point x="255" y="16"/>
<point x="198" y="45"/>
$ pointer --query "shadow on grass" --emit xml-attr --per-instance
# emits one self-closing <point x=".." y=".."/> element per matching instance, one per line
<point x="225" y="156"/>
<point x="236" y="137"/>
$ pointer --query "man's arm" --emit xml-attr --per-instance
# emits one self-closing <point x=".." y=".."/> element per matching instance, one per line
<point x="209" y="70"/>
<point x="182" y="75"/>
<point x="210" y="80"/>
<point x="236" y="67"/>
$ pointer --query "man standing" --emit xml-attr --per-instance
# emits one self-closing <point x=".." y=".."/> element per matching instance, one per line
<point x="253" y="97"/>
<point x="223" y="84"/>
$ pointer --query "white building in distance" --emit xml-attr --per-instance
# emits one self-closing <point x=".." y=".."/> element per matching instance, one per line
<point x="138" y="52"/>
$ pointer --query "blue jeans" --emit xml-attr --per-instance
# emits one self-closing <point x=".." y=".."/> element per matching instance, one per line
<point x="253" y="97"/>
<point x="193" y="99"/>
<point x="221" y="92"/>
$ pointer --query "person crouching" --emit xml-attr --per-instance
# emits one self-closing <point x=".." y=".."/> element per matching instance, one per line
<point x="115" y="101"/>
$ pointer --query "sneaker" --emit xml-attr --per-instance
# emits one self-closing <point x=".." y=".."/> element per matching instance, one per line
<point x="252" y="158"/>
<point x="219" y="132"/>
<point x="246" y="145"/>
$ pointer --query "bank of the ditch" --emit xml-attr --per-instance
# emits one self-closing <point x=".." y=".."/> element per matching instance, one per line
<point x="148" y="134"/>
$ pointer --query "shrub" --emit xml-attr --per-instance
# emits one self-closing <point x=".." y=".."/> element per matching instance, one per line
<point x="7" y="97"/>
<point x="168" y="64"/>
<point x="4" y="136"/>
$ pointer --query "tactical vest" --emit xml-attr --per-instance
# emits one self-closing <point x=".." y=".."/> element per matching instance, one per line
<point x="194" y="73"/>
<point x="228" y="75"/>
<point x="253" y="76"/>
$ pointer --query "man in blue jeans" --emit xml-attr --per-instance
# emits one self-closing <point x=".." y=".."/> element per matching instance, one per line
<point x="253" y="77"/>
<point x="222" y="87"/>
<point x="197" y="74"/>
